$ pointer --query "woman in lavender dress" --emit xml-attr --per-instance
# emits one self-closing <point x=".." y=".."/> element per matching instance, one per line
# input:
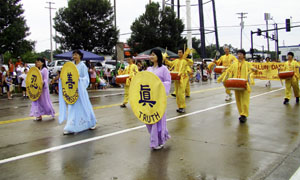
<point x="42" y="106"/>
<point x="158" y="131"/>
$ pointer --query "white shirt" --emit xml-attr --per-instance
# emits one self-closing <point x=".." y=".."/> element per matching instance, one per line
<point x="23" y="76"/>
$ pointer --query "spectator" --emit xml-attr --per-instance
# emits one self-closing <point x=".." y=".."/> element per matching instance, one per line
<point x="9" y="85"/>
<point x="23" y="82"/>
<point x="108" y="75"/>
<point x="102" y="84"/>
<point x="1" y="82"/>
<point x="19" y="70"/>
<point x="11" y="67"/>
<point x="198" y="74"/>
<point x="54" y="83"/>
<point x="92" y="73"/>
<point x="19" y="62"/>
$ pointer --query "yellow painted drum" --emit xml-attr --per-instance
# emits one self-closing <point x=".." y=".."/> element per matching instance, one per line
<point x="147" y="97"/>
<point x="69" y="79"/>
<point x="34" y="84"/>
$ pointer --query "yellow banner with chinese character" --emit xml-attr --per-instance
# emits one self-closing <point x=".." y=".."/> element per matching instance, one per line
<point x="69" y="79"/>
<point x="147" y="97"/>
<point x="34" y="84"/>
<point x="267" y="71"/>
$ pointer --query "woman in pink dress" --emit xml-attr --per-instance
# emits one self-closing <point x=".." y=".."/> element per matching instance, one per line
<point x="158" y="132"/>
<point x="42" y="106"/>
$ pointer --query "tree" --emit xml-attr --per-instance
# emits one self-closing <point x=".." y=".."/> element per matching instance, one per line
<point x="13" y="29"/>
<point x="88" y="25"/>
<point x="156" y="28"/>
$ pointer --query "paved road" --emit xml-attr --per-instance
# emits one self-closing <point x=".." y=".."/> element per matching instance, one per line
<point x="207" y="142"/>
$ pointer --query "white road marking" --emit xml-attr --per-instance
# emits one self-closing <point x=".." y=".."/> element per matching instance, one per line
<point x="60" y="147"/>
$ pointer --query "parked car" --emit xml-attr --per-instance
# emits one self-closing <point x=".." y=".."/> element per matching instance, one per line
<point x="54" y="66"/>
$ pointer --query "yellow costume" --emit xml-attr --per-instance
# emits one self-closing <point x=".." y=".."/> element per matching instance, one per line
<point x="292" y="82"/>
<point x="131" y="70"/>
<point x="180" y="66"/>
<point x="226" y="61"/>
<point x="242" y="70"/>
<point x="188" y="88"/>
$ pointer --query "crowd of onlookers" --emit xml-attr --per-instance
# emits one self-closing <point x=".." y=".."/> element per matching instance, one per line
<point x="13" y="78"/>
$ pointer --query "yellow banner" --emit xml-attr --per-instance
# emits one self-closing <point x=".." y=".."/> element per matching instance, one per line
<point x="267" y="71"/>
<point x="147" y="97"/>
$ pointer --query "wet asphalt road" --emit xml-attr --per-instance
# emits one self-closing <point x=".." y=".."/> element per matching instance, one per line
<point x="208" y="142"/>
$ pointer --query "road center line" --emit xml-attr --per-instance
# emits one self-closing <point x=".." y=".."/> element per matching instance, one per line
<point x="60" y="147"/>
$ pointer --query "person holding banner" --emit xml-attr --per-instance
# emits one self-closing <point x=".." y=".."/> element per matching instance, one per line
<point x="79" y="115"/>
<point x="158" y="132"/>
<point x="291" y="65"/>
<point x="180" y="65"/>
<point x="226" y="60"/>
<point x="43" y="105"/>
<point x="130" y="70"/>
<point x="240" y="70"/>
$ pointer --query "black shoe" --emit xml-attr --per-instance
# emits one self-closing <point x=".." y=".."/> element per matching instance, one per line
<point x="180" y="110"/>
<point x="297" y="100"/>
<point x="286" y="101"/>
<point x="243" y="119"/>
<point x="123" y="106"/>
<point x="187" y="96"/>
<point x="174" y="95"/>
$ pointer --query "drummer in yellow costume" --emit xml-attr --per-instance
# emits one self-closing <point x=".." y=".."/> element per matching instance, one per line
<point x="240" y="69"/>
<point x="226" y="60"/>
<point x="291" y="65"/>
<point x="130" y="70"/>
<point x="180" y="65"/>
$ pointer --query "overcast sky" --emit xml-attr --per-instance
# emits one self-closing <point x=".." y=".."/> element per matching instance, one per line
<point x="37" y="17"/>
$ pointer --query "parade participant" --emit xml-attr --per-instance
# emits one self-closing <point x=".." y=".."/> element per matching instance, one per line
<point x="268" y="60"/>
<point x="188" y="87"/>
<point x="180" y="65"/>
<point x="226" y="60"/>
<point x="80" y="115"/>
<point x="130" y="70"/>
<point x="42" y="106"/>
<point x="291" y="65"/>
<point x="158" y="131"/>
<point x="241" y="69"/>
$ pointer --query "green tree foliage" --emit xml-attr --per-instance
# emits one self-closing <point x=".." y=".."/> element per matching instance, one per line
<point x="88" y="25"/>
<point x="13" y="29"/>
<point x="156" y="28"/>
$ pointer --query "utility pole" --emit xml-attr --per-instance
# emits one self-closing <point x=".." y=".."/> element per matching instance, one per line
<point x="242" y="17"/>
<point x="267" y="18"/>
<point x="202" y="29"/>
<point x="115" y="12"/>
<point x="172" y="4"/>
<point x="163" y="4"/>
<point x="178" y="9"/>
<point x="215" y="23"/>
<point x="50" y="8"/>
<point x="188" y="24"/>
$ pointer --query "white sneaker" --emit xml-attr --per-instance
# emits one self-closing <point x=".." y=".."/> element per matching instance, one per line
<point x="159" y="147"/>
<point x="67" y="132"/>
<point x="227" y="98"/>
<point x="94" y="127"/>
